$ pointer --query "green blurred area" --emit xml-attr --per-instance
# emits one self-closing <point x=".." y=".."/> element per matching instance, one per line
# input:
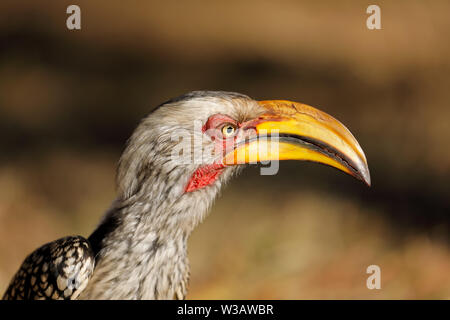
<point x="70" y="99"/>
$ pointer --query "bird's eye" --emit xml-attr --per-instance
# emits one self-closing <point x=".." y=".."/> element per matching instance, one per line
<point x="228" y="130"/>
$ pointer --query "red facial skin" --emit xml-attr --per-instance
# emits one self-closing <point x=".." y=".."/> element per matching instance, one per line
<point x="204" y="176"/>
<point x="208" y="174"/>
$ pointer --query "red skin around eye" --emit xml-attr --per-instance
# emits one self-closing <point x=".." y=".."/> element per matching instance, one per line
<point x="215" y="121"/>
<point x="208" y="174"/>
<point x="213" y="128"/>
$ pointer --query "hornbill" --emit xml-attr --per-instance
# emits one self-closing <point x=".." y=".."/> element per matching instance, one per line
<point x="168" y="176"/>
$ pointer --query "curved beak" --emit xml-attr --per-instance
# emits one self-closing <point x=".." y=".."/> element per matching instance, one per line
<point x="293" y="131"/>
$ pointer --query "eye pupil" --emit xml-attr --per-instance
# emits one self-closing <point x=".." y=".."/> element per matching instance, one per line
<point x="228" y="130"/>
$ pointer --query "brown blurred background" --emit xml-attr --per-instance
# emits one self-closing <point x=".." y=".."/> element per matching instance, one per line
<point x="70" y="99"/>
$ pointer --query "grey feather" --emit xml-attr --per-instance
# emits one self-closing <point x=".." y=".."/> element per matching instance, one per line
<point x="140" y="246"/>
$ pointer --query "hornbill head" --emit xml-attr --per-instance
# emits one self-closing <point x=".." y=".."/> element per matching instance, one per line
<point x="174" y="166"/>
<point x="199" y="139"/>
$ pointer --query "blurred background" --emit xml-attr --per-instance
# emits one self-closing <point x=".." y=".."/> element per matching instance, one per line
<point x="70" y="99"/>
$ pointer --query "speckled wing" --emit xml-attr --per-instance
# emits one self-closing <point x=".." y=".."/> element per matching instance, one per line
<point x="58" y="270"/>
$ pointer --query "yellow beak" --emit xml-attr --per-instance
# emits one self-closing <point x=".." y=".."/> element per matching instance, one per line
<point x="293" y="131"/>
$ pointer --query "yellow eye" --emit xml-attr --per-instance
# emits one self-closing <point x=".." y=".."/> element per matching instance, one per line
<point x="228" y="130"/>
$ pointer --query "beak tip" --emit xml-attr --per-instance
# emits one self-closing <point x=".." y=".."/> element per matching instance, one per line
<point x="365" y="176"/>
<point x="368" y="182"/>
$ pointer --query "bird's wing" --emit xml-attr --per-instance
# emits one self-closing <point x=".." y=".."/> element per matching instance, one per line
<point x="58" y="270"/>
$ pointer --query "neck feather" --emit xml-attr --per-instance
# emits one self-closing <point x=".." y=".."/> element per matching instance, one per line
<point x="141" y="244"/>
